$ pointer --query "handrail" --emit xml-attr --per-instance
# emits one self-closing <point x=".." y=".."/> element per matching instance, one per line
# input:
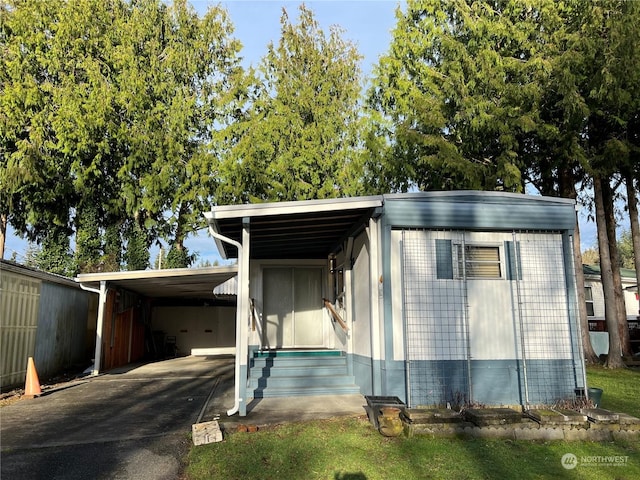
<point x="254" y="314"/>
<point x="335" y="315"/>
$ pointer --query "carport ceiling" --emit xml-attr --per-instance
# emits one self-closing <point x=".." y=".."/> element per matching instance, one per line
<point x="291" y="230"/>
<point x="170" y="283"/>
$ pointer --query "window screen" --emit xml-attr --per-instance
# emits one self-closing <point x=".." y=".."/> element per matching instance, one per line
<point x="480" y="261"/>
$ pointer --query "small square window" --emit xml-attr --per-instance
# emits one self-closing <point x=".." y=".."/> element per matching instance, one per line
<point x="478" y="261"/>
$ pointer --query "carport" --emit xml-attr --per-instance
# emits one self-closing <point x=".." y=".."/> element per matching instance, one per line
<point x="127" y="301"/>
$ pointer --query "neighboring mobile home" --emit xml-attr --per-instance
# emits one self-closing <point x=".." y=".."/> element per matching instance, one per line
<point x="44" y="316"/>
<point x="434" y="298"/>
<point x="594" y="296"/>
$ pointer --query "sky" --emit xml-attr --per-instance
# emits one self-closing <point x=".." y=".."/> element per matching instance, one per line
<point x="366" y="23"/>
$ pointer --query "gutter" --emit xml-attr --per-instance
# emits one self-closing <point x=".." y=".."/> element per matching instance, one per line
<point x="222" y="238"/>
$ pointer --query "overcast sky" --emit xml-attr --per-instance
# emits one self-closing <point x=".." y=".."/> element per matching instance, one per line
<point x="368" y="24"/>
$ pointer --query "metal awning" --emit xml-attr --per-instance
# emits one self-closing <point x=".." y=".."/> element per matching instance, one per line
<point x="301" y="229"/>
<point x="175" y="282"/>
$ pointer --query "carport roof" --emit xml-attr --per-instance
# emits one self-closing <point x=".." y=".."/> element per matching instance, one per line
<point x="300" y="229"/>
<point x="175" y="282"/>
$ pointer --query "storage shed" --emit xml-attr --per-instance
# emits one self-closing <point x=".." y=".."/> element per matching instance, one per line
<point x="440" y="297"/>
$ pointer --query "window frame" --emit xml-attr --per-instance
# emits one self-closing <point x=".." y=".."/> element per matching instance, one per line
<point x="459" y="274"/>
<point x="588" y="300"/>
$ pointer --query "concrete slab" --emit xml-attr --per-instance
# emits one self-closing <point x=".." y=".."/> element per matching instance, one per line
<point x="432" y="415"/>
<point x="600" y="415"/>
<point x="484" y="417"/>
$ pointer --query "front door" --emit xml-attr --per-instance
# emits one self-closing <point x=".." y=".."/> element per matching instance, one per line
<point x="292" y="307"/>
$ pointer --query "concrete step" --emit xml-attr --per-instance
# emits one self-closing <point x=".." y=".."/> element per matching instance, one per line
<point x="310" y="370"/>
<point x="301" y="381"/>
<point x="305" y="391"/>
<point x="299" y="361"/>
<point x="283" y="373"/>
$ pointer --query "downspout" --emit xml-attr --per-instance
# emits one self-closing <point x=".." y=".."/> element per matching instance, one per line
<point x="102" y="300"/>
<point x="239" y="316"/>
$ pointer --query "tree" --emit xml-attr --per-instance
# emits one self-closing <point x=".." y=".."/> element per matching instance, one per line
<point x="614" y="358"/>
<point x="459" y="85"/>
<point x="495" y="94"/>
<point x="108" y="113"/>
<point x="296" y="136"/>
<point x="136" y="254"/>
<point x="625" y="250"/>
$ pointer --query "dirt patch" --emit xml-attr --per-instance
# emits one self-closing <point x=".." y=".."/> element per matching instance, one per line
<point x="12" y="396"/>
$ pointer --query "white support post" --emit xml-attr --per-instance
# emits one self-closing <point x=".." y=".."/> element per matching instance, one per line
<point x="102" y="300"/>
<point x="242" y="347"/>
<point x="373" y="233"/>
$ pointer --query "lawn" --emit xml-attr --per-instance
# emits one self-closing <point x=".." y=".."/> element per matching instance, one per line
<point x="350" y="449"/>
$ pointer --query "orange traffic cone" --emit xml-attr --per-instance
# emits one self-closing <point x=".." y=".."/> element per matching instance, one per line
<point x="32" y="385"/>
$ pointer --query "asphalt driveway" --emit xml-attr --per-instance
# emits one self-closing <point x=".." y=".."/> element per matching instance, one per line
<point x="132" y="423"/>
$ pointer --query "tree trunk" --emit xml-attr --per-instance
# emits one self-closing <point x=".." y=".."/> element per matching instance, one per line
<point x="568" y="190"/>
<point x="632" y="202"/>
<point x="621" y="308"/>
<point x="590" y="356"/>
<point x="3" y="233"/>
<point x="614" y="358"/>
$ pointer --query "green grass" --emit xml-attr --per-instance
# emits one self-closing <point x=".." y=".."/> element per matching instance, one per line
<point x="350" y="449"/>
<point x="621" y="388"/>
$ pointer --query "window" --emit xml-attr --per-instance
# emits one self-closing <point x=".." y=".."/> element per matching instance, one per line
<point x="480" y="261"/>
<point x="588" y="297"/>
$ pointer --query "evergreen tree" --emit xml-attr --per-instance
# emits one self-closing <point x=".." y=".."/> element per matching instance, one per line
<point x="296" y="137"/>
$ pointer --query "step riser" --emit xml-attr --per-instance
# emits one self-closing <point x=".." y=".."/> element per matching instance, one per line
<point x="302" y="392"/>
<point x="287" y="373"/>
<point x="296" y="382"/>
<point x="312" y="371"/>
<point x="297" y="361"/>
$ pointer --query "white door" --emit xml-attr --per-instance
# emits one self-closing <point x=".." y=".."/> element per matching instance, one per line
<point x="293" y="307"/>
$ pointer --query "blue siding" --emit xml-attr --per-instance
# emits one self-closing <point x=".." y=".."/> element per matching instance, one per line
<point x="493" y="382"/>
<point x="479" y="211"/>
<point x="363" y="373"/>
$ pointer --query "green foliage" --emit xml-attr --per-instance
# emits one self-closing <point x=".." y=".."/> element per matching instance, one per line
<point x="54" y="255"/>
<point x="89" y="241"/>
<point x="625" y="250"/>
<point x="111" y="104"/>
<point x="459" y="86"/>
<point x="112" y="251"/>
<point x="136" y="255"/>
<point x="296" y="137"/>
<point x="179" y="257"/>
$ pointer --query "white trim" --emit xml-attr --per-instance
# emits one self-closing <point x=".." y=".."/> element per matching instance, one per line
<point x="205" y="352"/>
<point x="149" y="274"/>
<point x="291" y="208"/>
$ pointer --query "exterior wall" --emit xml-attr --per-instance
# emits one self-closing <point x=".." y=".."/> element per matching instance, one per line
<point x="597" y="323"/>
<point x="42" y="316"/>
<point x="62" y="328"/>
<point x="197" y="327"/>
<point x="361" y="318"/>
<point x="19" y="323"/>
<point x="123" y="332"/>
<point x="494" y="360"/>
